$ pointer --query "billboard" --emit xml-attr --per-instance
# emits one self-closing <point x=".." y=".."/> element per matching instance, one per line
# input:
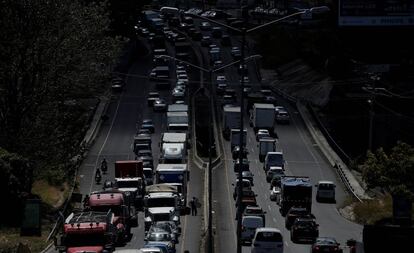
<point x="376" y="13"/>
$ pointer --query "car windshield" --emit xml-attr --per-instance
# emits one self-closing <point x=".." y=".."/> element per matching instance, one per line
<point x="275" y="159"/>
<point x="81" y="239"/>
<point x="326" y="241"/>
<point x="161" y="202"/>
<point x="269" y="237"/>
<point x="159" y="237"/>
<point x="326" y="186"/>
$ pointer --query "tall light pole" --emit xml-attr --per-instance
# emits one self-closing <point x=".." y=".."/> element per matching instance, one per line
<point x="210" y="131"/>
<point x="243" y="32"/>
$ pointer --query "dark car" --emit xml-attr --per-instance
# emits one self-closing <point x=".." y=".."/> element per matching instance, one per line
<point x="326" y="244"/>
<point x="246" y="175"/>
<point x="226" y="40"/>
<point x="152" y="96"/>
<point x="147" y="124"/>
<point x="144" y="152"/>
<point x="147" y="161"/>
<point x="216" y="32"/>
<point x="196" y="36"/>
<point x="244" y="166"/>
<point x="304" y="229"/>
<point x="236" y="150"/>
<point x="296" y="212"/>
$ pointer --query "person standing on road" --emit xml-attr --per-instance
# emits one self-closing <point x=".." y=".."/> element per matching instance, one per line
<point x="193" y="205"/>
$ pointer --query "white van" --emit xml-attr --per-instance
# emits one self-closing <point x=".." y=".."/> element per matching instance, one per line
<point x="267" y="240"/>
<point x="325" y="191"/>
<point x="249" y="225"/>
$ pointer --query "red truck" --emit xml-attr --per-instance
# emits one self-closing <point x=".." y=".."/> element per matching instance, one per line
<point x="129" y="177"/>
<point x="87" y="232"/>
<point x="118" y="203"/>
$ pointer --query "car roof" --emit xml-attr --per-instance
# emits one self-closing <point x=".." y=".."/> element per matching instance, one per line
<point x="267" y="229"/>
<point x="325" y="182"/>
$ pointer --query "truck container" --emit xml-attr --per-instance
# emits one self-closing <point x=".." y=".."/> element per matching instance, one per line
<point x="295" y="191"/>
<point x="177" y="121"/>
<point x="263" y="117"/>
<point x="266" y="145"/>
<point x="87" y="232"/>
<point x="169" y="137"/>
<point x="231" y="119"/>
<point x="235" y="137"/>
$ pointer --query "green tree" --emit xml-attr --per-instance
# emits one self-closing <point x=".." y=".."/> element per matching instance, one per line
<point x="393" y="172"/>
<point x="52" y="53"/>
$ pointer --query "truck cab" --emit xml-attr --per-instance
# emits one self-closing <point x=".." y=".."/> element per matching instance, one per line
<point x="155" y="214"/>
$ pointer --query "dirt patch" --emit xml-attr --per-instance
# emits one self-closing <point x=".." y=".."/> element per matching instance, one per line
<point x="10" y="239"/>
<point x="51" y="195"/>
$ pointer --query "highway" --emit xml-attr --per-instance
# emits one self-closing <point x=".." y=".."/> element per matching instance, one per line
<point x="114" y="142"/>
<point x="302" y="159"/>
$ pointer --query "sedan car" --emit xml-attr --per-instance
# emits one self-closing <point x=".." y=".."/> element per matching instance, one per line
<point x="206" y="41"/>
<point x="247" y="175"/>
<point x="235" y="52"/>
<point x="221" y="79"/>
<point x="160" y="105"/>
<point x="152" y="96"/>
<point x="282" y="116"/>
<point x="178" y="93"/>
<point x="205" y="26"/>
<point x="161" y="236"/>
<point x="118" y="84"/>
<point x="236" y="150"/>
<point x="148" y="124"/>
<point x="304" y="229"/>
<point x="162" y="226"/>
<point x="326" y="244"/>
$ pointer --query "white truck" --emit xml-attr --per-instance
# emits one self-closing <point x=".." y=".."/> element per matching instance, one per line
<point x="177" y="121"/>
<point x="235" y="137"/>
<point x="262" y="116"/>
<point x="161" y="203"/>
<point x="231" y="119"/>
<point x="173" y="148"/>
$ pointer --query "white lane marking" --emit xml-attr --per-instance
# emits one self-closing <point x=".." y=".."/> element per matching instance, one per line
<point x="274" y="220"/>
<point x="183" y="233"/>
<point x="287" y="245"/>
<point x="265" y="196"/>
<point x="104" y="143"/>
<point x="270" y="209"/>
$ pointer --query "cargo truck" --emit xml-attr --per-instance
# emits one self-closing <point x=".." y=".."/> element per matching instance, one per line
<point x="87" y="232"/>
<point x="129" y="177"/>
<point x="177" y="108"/>
<point x="295" y="191"/>
<point x="266" y="144"/>
<point x="118" y="203"/>
<point x="262" y="116"/>
<point x="231" y="119"/>
<point x="176" y="174"/>
<point x="235" y="137"/>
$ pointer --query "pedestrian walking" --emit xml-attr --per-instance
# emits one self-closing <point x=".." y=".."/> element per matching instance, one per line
<point x="193" y="205"/>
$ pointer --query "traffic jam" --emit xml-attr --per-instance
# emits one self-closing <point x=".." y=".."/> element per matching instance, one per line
<point x="157" y="186"/>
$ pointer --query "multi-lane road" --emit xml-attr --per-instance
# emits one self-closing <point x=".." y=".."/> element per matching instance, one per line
<point x="114" y="142"/>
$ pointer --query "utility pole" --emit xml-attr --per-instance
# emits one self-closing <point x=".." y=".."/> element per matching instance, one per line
<point x="210" y="151"/>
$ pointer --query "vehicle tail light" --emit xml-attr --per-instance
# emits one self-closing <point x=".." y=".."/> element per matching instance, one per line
<point x="316" y="247"/>
<point x="336" y="249"/>
<point x="243" y="228"/>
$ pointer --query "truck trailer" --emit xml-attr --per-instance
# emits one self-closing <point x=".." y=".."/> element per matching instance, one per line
<point x="295" y="191"/>
<point x="231" y="119"/>
<point x="262" y="116"/>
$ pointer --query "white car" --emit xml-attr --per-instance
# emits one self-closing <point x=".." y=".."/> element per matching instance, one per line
<point x="274" y="194"/>
<point x="267" y="240"/>
<point x="221" y="79"/>
<point x="325" y="191"/>
<point x="205" y="26"/>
